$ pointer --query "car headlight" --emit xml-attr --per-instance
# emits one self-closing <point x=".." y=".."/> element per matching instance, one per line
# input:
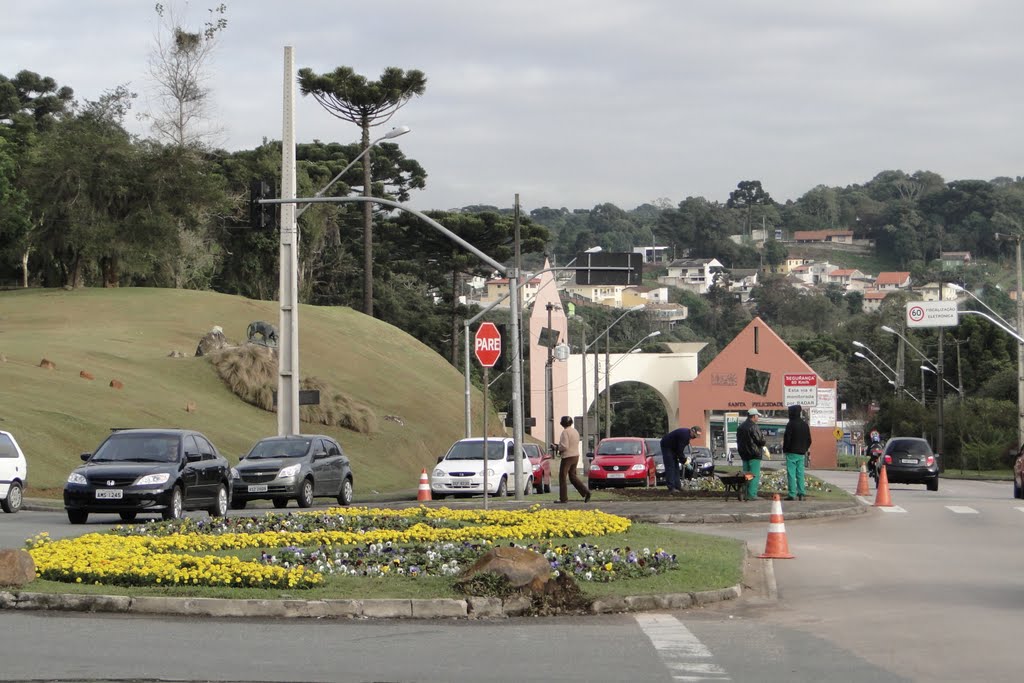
<point x="153" y="479"/>
<point x="660" y="468"/>
<point x="439" y="473"/>
<point x="289" y="471"/>
<point x="490" y="472"/>
<point x="638" y="467"/>
<point x="235" y="474"/>
<point x="76" y="478"/>
<point x="595" y="468"/>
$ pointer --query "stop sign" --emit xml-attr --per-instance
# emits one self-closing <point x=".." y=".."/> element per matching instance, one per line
<point x="488" y="344"/>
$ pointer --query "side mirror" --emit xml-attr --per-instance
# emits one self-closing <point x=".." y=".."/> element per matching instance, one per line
<point x="193" y="457"/>
<point x="85" y="456"/>
<point x="440" y="458"/>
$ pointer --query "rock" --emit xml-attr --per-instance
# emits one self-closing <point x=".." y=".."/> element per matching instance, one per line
<point x="117" y="384"/>
<point x="86" y="375"/>
<point x="214" y="340"/>
<point x="48" y="364"/>
<point x="523" y="568"/>
<point x="176" y="354"/>
<point x="190" y="406"/>
<point x="17" y="568"/>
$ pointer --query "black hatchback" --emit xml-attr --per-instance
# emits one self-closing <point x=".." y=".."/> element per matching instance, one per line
<point x="164" y="471"/>
<point x="910" y="460"/>
<point x="299" y="467"/>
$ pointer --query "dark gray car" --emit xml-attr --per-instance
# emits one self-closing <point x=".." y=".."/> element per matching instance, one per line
<point x="910" y="460"/>
<point x="299" y="467"/>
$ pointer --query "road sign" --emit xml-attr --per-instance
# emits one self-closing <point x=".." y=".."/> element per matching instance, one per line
<point x="488" y="344"/>
<point x="932" y="314"/>
<point x="800" y="389"/>
<point x="609" y="268"/>
<point x="838" y="433"/>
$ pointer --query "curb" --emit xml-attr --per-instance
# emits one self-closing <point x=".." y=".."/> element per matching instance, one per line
<point x="440" y="608"/>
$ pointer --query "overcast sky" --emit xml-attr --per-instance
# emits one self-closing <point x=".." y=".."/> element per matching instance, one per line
<point x="572" y="103"/>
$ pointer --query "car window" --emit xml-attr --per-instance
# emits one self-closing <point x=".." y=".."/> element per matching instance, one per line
<point x="654" y="446"/>
<point x="190" y="445"/>
<point x="138" y="448"/>
<point x="908" y="447"/>
<point x="532" y="450"/>
<point x="332" y="448"/>
<point x="205" y="448"/>
<point x="280" y="448"/>
<point x="607" y="447"/>
<point x="7" y="449"/>
<point x="474" y="450"/>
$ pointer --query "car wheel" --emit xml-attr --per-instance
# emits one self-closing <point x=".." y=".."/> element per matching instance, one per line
<point x="280" y="503"/>
<point x="932" y="484"/>
<point x="128" y="516"/>
<point x="77" y="516"/>
<point x="502" y="488"/>
<point x="238" y="504"/>
<point x="1018" y="490"/>
<point x="306" y="493"/>
<point x="220" y="508"/>
<point x="438" y="496"/>
<point x="347" y="492"/>
<point x="539" y="487"/>
<point x="173" y="510"/>
<point x="547" y="486"/>
<point x="14" y="498"/>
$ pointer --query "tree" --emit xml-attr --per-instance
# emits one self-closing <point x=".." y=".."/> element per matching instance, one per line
<point x="748" y="193"/>
<point x="350" y="97"/>
<point x="179" y="65"/>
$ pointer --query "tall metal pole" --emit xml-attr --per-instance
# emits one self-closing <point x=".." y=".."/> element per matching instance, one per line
<point x="549" y="408"/>
<point x="469" y="416"/>
<point x="585" y="436"/>
<point x="597" y="395"/>
<point x="516" y="358"/>
<point x="288" y="348"/>
<point x="1020" y="351"/>
<point x="940" y="394"/>
<point x="607" y="387"/>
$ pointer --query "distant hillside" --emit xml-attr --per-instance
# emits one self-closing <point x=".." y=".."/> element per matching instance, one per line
<point x="128" y="334"/>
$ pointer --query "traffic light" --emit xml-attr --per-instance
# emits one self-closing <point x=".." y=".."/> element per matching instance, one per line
<point x="261" y="216"/>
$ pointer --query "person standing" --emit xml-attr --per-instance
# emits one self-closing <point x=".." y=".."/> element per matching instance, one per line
<point x="569" y="448"/>
<point x="673" y="454"/>
<point x="750" y="443"/>
<point x="796" y="444"/>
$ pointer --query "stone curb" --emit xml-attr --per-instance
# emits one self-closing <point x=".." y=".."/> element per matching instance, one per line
<point x="441" y="608"/>
<point x="742" y="517"/>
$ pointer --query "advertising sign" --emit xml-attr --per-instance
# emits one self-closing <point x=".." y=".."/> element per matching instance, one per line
<point x="823" y="414"/>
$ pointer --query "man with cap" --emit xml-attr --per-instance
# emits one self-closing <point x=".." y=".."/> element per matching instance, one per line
<point x="673" y="454"/>
<point x="750" y="443"/>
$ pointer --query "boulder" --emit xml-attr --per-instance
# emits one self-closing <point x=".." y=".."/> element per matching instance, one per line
<point x="214" y="340"/>
<point x="17" y="568"/>
<point x="86" y="375"/>
<point x="523" y="568"/>
<point x="48" y="364"/>
<point x="117" y="384"/>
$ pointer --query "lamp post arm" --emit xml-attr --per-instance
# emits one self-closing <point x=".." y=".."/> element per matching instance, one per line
<point x="995" y="322"/>
<point x="988" y="308"/>
<point x="911" y="345"/>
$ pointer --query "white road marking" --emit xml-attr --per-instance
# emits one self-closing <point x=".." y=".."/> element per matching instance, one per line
<point x="892" y="508"/>
<point x="962" y="509"/>
<point x="1020" y="508"/>
<point x="686" y="658"/>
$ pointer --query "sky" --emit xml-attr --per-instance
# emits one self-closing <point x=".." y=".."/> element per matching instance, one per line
<point x="574" y="103"/>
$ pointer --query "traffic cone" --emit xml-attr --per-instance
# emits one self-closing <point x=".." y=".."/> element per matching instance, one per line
<point x="882" y="499"/>
<point x="776" y="547"/>
<point x="424" y="492"/>
<point x="863" y="489"/>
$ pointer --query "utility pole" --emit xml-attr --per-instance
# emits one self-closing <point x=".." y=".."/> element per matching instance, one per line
<point x="1020" y="327"/>
<point x="288" y="346"/>
<point x="549" y="408"/>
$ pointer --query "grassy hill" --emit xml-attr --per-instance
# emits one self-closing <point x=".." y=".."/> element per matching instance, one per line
<point x="128" y="334"/>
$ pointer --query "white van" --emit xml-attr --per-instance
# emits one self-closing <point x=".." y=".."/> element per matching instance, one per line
<point x="13" y="473"/>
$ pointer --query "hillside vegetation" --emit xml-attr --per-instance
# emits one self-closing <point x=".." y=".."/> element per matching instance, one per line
<point x="128" y="334"/>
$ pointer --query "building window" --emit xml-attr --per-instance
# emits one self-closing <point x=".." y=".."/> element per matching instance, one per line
<point x="756" y="381"/>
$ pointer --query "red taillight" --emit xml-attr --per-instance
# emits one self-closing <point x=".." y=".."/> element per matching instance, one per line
<point x="930" y="460"/>
<point x="888" y="460"/>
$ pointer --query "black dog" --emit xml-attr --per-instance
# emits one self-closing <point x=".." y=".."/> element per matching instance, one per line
<point x="266" y="332"/>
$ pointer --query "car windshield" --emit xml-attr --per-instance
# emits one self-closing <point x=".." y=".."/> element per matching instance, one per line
<point x="910" y="447"/>
<point x="474" y="450"/>
<point x="138" y="448"/>
<point x="279" y="448"/>
<point x="607" y="447"/>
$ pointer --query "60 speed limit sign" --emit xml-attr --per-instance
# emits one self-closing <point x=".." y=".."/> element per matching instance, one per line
<point x="932" y="314"/>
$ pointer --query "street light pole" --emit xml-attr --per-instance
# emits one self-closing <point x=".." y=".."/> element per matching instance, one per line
<point x="549" y="408"/>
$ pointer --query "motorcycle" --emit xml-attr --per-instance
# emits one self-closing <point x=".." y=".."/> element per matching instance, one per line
<point x="874" y="457"/>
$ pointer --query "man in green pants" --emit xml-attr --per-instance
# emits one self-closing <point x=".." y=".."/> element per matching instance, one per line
<point x="750" y="442"/>
<point x="796" y="443"/>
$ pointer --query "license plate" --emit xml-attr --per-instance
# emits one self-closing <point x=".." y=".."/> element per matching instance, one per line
<point x="257" y="488"/>
<point x="908" y="461"/>
<point x="109" y="494"/>
<point x="616" y="475"/>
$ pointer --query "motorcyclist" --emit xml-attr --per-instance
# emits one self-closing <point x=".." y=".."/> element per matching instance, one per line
<point x="874" y="452"/>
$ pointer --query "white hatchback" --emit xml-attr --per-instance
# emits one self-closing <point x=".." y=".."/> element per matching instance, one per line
<point x="13" y="473"/>
<point x="461" y="470"/>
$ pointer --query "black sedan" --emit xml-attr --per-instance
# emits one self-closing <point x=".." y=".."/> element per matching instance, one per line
<point x="702" y="462"/>
<point x="909" y="460"/>
<point x="164" y="471"/>
<point x="300" y="467"/>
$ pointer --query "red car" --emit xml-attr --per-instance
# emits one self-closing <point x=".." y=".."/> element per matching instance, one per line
<point x="541" y="461"/>
<point x="622" y="461"/>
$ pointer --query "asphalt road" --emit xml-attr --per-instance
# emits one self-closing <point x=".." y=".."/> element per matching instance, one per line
<point x="928" y="591"/>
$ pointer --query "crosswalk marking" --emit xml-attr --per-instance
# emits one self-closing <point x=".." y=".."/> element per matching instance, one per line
<point x="686" y="658"/>
<point x="962" y="509"/>
<point x="893" y="508"/>
<point x="1020" y="508"/>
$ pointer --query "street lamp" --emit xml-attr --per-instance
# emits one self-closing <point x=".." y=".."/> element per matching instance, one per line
<point x="907" y="392"/>
<point x="865" y="347"/>
<point x="881" y="372"/>
<point x="987" y="307"/>
<point x="393" y="133"/>
<point x="938" y="371"/>
<point x="586" y="406"/>
<point x="635" y="348"/>
<point x="925" y="368"/>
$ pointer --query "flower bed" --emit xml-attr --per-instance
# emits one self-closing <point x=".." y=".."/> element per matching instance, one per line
<point x="297" y="550"/>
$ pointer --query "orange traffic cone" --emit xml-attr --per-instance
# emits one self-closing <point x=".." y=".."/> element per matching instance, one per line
<point x="882" y="499"/>
<point x="424" y="492"/>
<point x="862" y="484"/>
<point x="776" y="548"/>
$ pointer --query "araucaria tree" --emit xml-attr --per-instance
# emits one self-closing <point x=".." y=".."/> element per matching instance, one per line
<point x="745" y="196"/>
<point x="349" y="96"/>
